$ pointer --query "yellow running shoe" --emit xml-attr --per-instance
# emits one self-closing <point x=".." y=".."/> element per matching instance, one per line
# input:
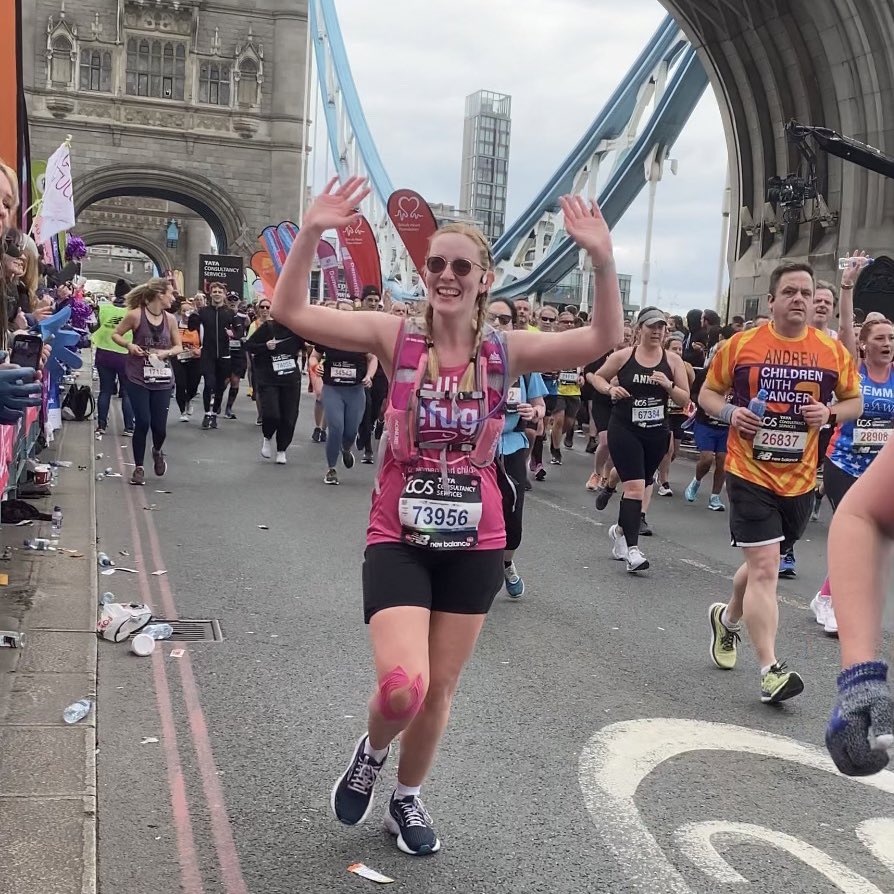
<point x="778" y="684"/>
<point x="723" y="640"/>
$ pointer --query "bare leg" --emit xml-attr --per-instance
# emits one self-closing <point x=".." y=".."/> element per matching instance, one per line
<point x="399" y="639"/>
<point x="451" y="641"/>
<point x="719" y="473"/>
<point x="754" y="598"/>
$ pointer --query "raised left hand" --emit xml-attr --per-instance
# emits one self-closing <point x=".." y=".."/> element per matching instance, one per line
<point x="587" y="227"/>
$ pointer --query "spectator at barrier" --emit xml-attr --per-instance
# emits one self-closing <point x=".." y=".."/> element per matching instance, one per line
<point x="110" y="361"/>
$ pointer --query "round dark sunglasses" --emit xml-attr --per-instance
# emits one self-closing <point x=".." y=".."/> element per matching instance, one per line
<point x="503" y="319"/>
<point x="460" y="266"/>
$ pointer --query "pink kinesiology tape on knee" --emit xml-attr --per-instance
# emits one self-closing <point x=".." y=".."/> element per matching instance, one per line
<point x="393" y="682"/>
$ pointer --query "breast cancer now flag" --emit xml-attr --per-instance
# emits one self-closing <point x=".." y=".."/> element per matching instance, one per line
<point x="57" y="212"/>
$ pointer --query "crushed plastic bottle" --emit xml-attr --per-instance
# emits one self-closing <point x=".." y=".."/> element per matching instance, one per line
<point x="78" y="711"/>
<point x="57" y="520"/>
<point x="158" y="631"/>
<point x="758" y="405"/>
<point x="107" y="599"/>
<point x="104" y="561"/>
<point x="43" y="544"/>
<point x="844" y="263"/>
<point x="12" y="639"/>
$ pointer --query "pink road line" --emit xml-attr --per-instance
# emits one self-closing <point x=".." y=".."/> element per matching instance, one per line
<point x="221" y="828"/>
<point x="190" y="876"/>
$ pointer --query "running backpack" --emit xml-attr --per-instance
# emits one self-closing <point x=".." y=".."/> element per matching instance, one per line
<point x="78" y="404"/>
<point x="407" y="391"/>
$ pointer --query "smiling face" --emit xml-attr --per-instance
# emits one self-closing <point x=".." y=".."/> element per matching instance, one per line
<point x="218" y="296"/>
<point x="791" y="301"/>
<point x="452" y="295"/>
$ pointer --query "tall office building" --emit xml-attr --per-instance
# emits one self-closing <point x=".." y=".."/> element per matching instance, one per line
<point x="485" y="167"/>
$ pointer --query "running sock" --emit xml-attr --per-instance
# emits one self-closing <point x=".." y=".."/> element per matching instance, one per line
<point x="766" y="669"/>
<point x="537" y="450"/>
<point x="377" y="755"/>
<point x="826" y="589"/>
<point x="724" y="619"/>
<point x="406" y="791"/>
<point x="628" y="518"/>
<point x="231" y="398"/>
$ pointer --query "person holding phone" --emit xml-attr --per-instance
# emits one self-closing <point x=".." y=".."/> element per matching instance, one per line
<point x="150" y="378"/>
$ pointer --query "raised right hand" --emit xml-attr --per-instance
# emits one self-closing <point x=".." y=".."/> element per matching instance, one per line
<point x="335" y="208"/>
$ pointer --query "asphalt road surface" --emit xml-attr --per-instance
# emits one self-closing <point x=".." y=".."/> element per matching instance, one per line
<point x="593" y="746"/>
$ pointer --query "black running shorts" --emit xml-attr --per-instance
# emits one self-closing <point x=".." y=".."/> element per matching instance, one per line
<point x="836" y="483"/>
<point x="238" y="365"/>
<point x="601" y="412"/>
<point x="758" y="516"/>
<point x="458" y="582"/>
<point x="675" y="421"/>
<point x="636" y="454"/>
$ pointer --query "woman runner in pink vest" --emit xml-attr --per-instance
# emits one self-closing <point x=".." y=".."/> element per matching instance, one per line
<point x="434" y="556"/>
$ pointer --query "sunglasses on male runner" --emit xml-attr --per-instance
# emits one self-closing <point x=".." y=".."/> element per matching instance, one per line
<point x="460" y="266"/>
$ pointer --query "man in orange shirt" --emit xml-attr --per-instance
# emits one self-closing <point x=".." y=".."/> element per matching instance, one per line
<point x="771" y="460"/>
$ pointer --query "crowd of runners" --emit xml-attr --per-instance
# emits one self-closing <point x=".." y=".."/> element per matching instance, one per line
<point x="470" y="402"/>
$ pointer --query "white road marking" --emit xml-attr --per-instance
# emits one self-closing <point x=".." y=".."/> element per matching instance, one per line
<point x="695" y="840"/>
<point x="565" y="509"/>
<point x="619" y="757"/>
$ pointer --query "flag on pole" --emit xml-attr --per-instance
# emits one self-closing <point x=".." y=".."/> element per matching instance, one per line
<point x="57" y="212"/>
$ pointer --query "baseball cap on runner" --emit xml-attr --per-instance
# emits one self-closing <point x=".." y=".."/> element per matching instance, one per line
<point x="651" y="317"/>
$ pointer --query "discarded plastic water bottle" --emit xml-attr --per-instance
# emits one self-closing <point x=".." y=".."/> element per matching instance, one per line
<point x="12" y="639"/>
<point x="104" y="561"/>
<point x="57" y="520"/>
<point x="42" y="543"/>
<point x="758" y="405"/>
<point x="78" y="711"/>
<point x="158" y="631"/>
<point x="107" y="599"/>
<point x="844" y="263"/>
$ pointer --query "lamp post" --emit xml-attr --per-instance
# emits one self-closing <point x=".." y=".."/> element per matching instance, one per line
<point x="654" y="167"/>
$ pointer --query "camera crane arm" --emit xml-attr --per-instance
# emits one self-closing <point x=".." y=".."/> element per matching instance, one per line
<point x="843" y="147"/>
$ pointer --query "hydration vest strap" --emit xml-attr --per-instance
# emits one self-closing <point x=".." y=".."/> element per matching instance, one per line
<point x="432" y="394"/>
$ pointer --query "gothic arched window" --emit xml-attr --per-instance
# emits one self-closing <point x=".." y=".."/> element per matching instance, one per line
<point x="156" y="68"/>
<point x="96" y="71"/>
<point x="60" y="64"/>
<point x="248" y="83"/>
<point x="214" y="83"/>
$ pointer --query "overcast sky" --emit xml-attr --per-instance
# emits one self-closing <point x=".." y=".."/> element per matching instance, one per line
<point x="414" y="63"/>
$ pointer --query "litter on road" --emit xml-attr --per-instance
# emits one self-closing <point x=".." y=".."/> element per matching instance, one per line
<point x="364" y="871"/>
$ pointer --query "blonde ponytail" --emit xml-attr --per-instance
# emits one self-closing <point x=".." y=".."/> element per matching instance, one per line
<point x="142" y="295"/>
